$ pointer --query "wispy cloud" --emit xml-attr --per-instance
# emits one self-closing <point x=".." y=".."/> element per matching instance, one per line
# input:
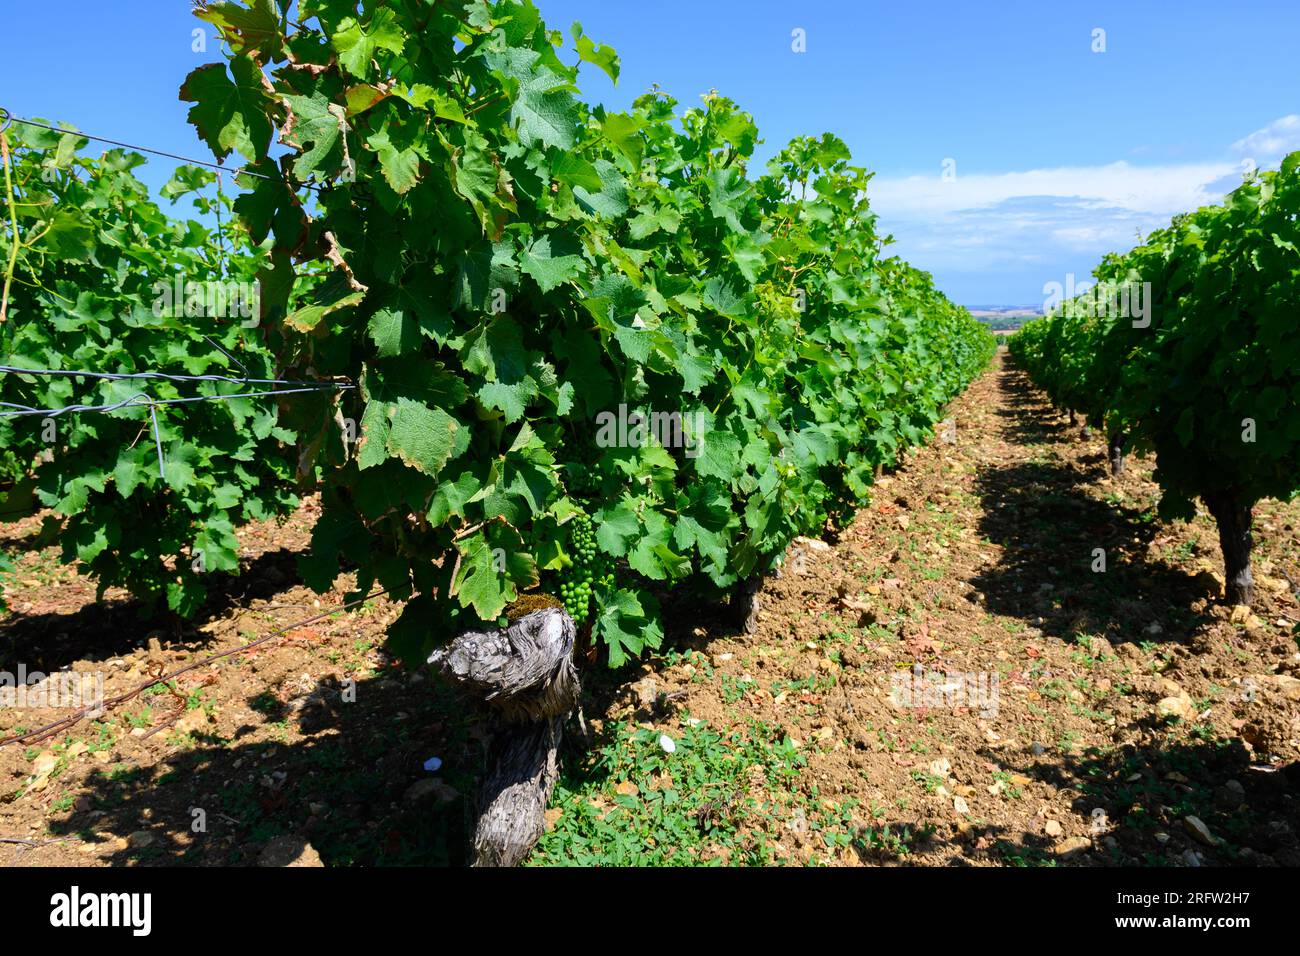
<point x="1271" y="143"/>
<point x="1153" y="190"/>
<point x="1050" y="221"/>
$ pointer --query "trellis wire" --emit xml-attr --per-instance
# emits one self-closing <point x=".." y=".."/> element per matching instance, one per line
<point x="10" y="118"/>
<point x="131" y="376"/>
<point x="152" y="403"/>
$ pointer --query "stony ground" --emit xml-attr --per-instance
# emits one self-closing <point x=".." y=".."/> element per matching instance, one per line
<point x="1005" y="660"/>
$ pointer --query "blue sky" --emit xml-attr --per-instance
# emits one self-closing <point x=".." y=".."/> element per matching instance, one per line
<point x="1060" y="154"/>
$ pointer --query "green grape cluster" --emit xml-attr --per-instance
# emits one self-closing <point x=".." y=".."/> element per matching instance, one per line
<point x="590" y="569"/>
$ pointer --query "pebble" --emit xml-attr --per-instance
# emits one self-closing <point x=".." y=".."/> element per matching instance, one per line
<point x="1071" y="846"/>
<point x="289" y="851"/>
<point x="1053" y="828"/>
<point x="1231" y="795"/>
<point x="45" y="763"/>
<point x="1289" y="686"/>
<point x="1180" y="707"/>
<point x="812" y="544"/>
<point x="1197" y="828"/>
<point x="667" y="744"/>
<point x="959" y="804"/>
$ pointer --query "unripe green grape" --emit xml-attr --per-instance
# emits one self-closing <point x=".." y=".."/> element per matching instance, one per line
<point x="588" y="569"/>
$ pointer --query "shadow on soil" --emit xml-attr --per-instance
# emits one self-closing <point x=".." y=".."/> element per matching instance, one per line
<point x="1128" y="795"/>
<point x="1057" y="538"/>
<point x="106" y="629"/>
<point x="355" y="787"/>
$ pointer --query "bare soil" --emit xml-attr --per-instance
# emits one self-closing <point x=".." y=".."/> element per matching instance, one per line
<point x="1128" y="717"/>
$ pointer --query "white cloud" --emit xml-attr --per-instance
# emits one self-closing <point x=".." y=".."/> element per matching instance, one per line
<point x="1037" y="225"/>
<point x="1112" y="235"/>
<point x="1274" y="141"/>
<point x="1153" y="190"/>
<point x="1034" y="226"/>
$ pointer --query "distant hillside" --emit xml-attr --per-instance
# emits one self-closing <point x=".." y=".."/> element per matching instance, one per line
<point x="1004" y="318"/>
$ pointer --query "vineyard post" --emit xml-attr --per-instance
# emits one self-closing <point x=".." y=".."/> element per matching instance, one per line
<point x="1115" y="445"/>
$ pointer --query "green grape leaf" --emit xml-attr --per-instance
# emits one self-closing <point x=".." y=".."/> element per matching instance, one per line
<point x="231" y="109"/>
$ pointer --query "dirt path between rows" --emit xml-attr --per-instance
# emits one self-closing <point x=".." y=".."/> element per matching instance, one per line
<point x="951" y="680"/>
<point x="966" y="686"/>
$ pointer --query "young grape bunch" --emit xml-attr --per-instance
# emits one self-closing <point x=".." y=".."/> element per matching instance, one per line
<point x="589" y="570"/>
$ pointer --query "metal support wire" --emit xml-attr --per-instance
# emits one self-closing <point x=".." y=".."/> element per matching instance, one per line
<point x="10" y="118"/>
<point x="20" y="410"/>
<point x="164" y="376"/>
<point x="140" y="398"/>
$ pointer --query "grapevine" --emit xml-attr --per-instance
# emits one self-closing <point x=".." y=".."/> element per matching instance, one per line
<point x="1206" y="372"/>
<point x="506" y="266"/>
<point x="97" y="263"/>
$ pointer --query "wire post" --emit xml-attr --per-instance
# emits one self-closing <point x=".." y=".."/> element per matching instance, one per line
<point x="14" y="243"/>
<point x="157" y="439"/>
<point x="221" y="239"/>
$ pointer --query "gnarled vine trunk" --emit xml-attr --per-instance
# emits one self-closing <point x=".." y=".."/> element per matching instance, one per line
<point x="745" y="603"/>
<point x="1115" y="445"/>
<point x="1233" y="516"/>
<point x="526" y="679"/>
